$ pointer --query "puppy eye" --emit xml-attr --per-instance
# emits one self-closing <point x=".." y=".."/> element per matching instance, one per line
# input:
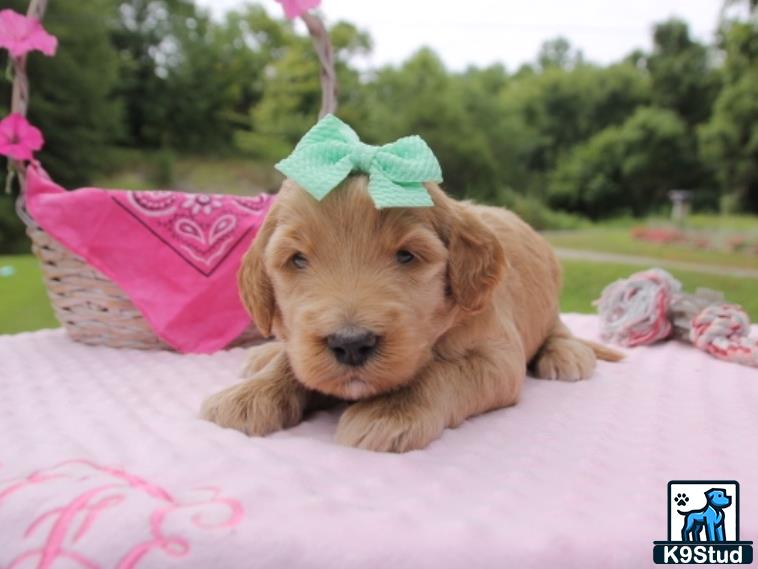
<point x="404" y="257"/>
<point x="299" y="261"/>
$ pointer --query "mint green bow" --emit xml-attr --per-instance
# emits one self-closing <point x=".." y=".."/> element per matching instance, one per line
<point x="331" y="150"/>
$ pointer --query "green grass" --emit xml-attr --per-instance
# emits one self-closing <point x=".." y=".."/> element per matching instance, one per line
<point x="709" y="221"/>
<point x="24" y="304"/>
<point x="732" y="222"/>
<point x="619" y="240"/>
<point x="23" y="301"/>
<point x="585" y="280"/>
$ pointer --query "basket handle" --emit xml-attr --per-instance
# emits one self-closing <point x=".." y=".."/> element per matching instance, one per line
<point x="323" y="46"/>
<point x="20" y="100"/>
<point x="20" y="105"/>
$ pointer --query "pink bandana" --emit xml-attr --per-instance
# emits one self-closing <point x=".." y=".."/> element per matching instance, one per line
<point x="174" y="254"/>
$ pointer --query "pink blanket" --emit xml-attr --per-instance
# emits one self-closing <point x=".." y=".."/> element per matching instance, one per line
<point x="174" y="254"/>
<point x="103" y="464"/>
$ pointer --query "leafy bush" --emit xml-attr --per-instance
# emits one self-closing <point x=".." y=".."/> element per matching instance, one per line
<point x="627" y="168"/>
<point x="537" y="214"/>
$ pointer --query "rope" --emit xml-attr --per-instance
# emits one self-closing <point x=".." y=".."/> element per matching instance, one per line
<point x="649" y="305"/>
<point x="723" y="331"/>
<point x="633" y="311"/>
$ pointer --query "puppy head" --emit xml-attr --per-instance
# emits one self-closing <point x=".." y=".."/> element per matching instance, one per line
<point x="360" y="295"/>
<point x="717" y="497"/>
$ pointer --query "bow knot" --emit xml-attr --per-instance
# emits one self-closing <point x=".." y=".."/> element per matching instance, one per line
<point x="331" y="150"/>
<point x="362" y="155"/>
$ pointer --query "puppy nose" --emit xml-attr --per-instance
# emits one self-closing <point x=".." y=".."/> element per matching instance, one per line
<point x="352" y="346"/>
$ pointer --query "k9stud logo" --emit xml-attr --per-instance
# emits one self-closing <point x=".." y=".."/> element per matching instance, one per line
<point x="703" y="524"/>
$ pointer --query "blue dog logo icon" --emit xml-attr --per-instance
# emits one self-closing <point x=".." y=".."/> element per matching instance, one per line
<point x="710" y="517"/>
<point x="703" y="524"/>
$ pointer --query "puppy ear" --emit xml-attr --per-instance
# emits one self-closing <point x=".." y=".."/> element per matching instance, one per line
<point x="476" y="261"/>
<point x="255" y="286"/>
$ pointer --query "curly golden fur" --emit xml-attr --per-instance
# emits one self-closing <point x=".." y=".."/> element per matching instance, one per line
<point x="456" y="325"/>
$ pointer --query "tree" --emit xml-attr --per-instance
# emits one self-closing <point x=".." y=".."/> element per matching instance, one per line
<point x="738" y="41"/>
<point x="421" y="97"/>
<point x="626" y="169"/>
<point x="146" y="35"/>
<point x="681" y="75"/>
<point x="508" y="138"/>
<point x="558" y="53"/>
<point x="211" y="84"/>
<point x="750" y="7"/>
<point x="729" y="141"/>
<point x="564" y="108"/>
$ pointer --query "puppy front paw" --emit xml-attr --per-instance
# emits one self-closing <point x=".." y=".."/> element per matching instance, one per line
<point x="565" y="359"/>
<point x="258" y="357"/>
<point x="385" y="424"/>
<point x="257" y="407"/>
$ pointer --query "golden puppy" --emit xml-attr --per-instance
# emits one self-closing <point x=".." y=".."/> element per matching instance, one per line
<point x="422" y="316"/>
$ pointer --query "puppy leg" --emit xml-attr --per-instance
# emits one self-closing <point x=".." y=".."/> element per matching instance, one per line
<point x="710" y="529"/>
<point x="563" y="356"/>
<point x="444" y="394"/>
<point x="269" y="401"/>
<point x="258" y="357"/>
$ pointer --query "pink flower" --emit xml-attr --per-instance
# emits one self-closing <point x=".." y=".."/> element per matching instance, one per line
<point x="20" y="35"/>
<point x="296" y="8"/>
<point x="18" y="139"/>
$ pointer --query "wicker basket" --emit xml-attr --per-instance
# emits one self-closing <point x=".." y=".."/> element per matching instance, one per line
<point x="92" y="308"/>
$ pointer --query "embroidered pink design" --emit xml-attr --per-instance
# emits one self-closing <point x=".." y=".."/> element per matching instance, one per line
<point x="202" y="202"/>
<point x="222" y="226"/>
<point x="154" y="203"/>
<point x="202" y="229"/>
<point x="255" y="203"/>
<point x="190" y="229"/>
<point x="94" y="501"/>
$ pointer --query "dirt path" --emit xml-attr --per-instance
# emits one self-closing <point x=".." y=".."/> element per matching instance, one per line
<point x="599" y="257"/>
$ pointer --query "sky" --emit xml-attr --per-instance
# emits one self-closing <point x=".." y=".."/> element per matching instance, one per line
<point x="482" y="32"/>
